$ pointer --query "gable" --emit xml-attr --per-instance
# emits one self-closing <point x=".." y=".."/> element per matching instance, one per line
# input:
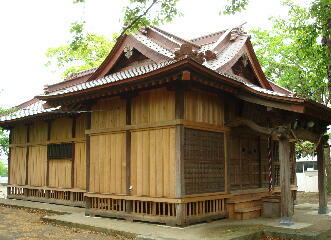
<point x="136" y="43"/>
<point x="243" y="68"/>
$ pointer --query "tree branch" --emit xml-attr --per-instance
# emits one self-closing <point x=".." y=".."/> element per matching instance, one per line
<point x="137" y="19"/>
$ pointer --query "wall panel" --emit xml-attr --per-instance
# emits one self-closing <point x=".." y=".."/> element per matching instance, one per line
<point x="60" y="173"/>
<point x="203" y="107"/>
<point x="108" y="163"/>
<point x="38" y="132"/>
<point x="109" y="113"/>
<point x="17" y="165"/>
<point x="37" y="165"/>
<point x="80" y="166"/>
<point x="80" y="126"/>
<point x="151" y="106"/>
<point x="153" y="162"/>
<point x="19" y="134"/>
<point x="61" y="129"/>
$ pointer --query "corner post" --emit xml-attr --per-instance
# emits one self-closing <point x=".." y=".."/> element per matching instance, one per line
<point x="285" y="184"/>
<point x="180" y="183"/>
<point x="323" y="201"/>
<point x="128" y="203"/>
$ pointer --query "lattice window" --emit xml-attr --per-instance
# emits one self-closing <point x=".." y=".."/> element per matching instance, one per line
<point x="59" y="151"/>
<point x="203" y="161"/>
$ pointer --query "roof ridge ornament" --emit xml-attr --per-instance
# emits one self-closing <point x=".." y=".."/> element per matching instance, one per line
<point x="236" y="32"/>
<point x="186" y="51"/>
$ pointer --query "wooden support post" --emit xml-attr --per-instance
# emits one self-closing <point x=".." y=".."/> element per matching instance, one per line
<point x="128" y="203"/>
<point x="179" y="102"/>
<point x="49" y="128"/>
<point x="73" y="135"/>
<point x="180" y="214"/>
<point x="323" y="200"/>
<point x="285" y="184"/>
<point x="227" y="149"/>
<point x="88" y="155"/>
<point x="9" y="155"/>
<point x="27" y="155"/>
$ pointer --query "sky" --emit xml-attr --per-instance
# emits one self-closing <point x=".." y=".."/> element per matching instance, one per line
<point x="29" y="27"/>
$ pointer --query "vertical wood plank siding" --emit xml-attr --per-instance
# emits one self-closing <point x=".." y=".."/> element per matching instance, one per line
<point x="203" y="107"/>
<point x="151" y="106"/>
<point x="153" y="162"/>
<point x="108" y="163"/>
<point x="60" y="169"/>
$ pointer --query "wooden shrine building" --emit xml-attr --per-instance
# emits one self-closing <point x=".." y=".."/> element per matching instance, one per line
<point x="165" y="130"/>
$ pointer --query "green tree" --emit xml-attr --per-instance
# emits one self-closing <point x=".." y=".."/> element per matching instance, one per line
<point x="292" y="55"/>
<point x="87" y="50"/>
<point x="3" y="170"/>
<point x="83" y="51"/>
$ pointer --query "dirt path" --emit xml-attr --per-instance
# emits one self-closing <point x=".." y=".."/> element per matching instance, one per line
<point x="23" y="224"/>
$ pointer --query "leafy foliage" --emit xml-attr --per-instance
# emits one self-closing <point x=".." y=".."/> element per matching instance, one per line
<point x="141" y="13"/>
<point x="292" y="55"/>
<point x="83" y="52"/>
<point x="3" y="170"/>
<point x="235" y="6"/>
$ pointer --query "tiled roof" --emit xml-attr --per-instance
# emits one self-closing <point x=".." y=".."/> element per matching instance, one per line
<point x="81" y="73"/>
<point x="226" y="53"/>
<point x="129" y="73"/>
<point x="35" y="107"/>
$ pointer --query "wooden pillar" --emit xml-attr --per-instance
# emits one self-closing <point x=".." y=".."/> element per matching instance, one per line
<point x="227" y="149"/>
<point x="180" y="183"/>
<point x="27" y="155"/>
<point x="9" y="154"/>
<point x="285" y="184"/>
<point x="323" y="200"/>
<point x="49" y="128"/>
<point x="73" y="135"/>
<point x="87" y="152"/>
<point x="128" y="203"/>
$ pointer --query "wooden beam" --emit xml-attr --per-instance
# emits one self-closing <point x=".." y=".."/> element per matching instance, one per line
<point x="179" y="102"/>
<point x="323" y="200"/>
<point x="252" y="125"/>
<point x="285" y="184"/>
<point x="88" y="149"/>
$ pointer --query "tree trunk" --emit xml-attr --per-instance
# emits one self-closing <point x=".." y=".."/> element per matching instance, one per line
<point x="323" y="202"/>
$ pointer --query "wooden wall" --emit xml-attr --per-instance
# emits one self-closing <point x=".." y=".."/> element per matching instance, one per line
<point x="108" y="113"/>
<point x="61" y="129"/>
<point x="107" y="166"/>
<point x="204" y="107"/>
<point x="80" y="154"/>
<point x="17" y="165"/>
<point x="37" y="159"/>
<point x="153" y="162"/>
<point x="152" y="106"/>
<point x="60" y="173"/>
<point x="18" y="155"/>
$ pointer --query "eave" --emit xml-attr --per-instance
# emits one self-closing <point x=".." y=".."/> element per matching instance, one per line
<point x="205" y="76"/>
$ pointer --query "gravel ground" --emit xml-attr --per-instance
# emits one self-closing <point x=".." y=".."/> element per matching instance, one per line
<point x="305" y="197"/>
<point x="24" y="224"/>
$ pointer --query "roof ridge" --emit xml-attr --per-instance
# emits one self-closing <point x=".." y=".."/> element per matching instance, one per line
<point x="175" y="36"/>
<point x="83" y="72"/>
<point x="207" y="35"/>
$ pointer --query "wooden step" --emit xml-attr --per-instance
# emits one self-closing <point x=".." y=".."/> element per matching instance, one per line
<point x="244" y="210"/>
<point x="240" y="200"/>
<point x="248" y="213"/>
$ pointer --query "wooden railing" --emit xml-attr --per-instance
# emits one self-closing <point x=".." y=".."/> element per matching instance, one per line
<point x="163" y="210"/>
<point x="73" y="197"/>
